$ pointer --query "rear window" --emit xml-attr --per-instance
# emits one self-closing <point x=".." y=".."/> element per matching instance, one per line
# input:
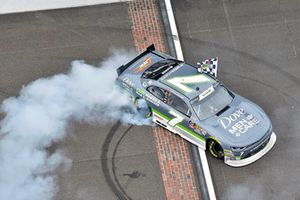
<point x="159" y="69"/>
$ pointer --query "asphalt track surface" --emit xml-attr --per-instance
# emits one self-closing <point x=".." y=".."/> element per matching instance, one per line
<point x="109" y="162"/>
<point x="258" y="45"/>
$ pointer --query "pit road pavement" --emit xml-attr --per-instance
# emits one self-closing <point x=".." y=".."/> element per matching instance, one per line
<point x="111" y="161"/>
<point x="258" y="45"/>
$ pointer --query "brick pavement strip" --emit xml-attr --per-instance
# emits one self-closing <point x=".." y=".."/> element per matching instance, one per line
<point x="173" y="152"/>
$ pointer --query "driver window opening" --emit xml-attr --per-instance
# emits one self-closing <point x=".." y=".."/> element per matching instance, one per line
<point x="170" y="99"/>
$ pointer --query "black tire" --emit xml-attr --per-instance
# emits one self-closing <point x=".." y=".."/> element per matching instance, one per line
<point x="215" y="149"/>
<point x="144" y="110"/>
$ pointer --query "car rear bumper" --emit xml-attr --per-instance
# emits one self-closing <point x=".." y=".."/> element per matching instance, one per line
<point x="258" y="155"/>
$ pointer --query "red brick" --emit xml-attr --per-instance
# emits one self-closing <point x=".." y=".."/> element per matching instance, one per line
<point x="172" y="151"/>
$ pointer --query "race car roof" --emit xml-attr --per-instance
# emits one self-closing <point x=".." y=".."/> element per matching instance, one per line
<point x="187" y="80"/>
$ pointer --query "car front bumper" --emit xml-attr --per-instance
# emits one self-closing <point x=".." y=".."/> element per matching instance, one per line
<point x="258" y="155"/>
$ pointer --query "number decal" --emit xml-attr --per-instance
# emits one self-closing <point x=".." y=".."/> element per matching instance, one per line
<point x="178" y="118"/>
<point x="180" y="82"/>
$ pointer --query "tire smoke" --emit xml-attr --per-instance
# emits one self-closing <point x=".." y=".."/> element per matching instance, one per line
<point x="39" y="117"/>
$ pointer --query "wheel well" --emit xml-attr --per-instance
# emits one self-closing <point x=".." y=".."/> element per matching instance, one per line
<point x="211" y="139"/>
<point x="207" y="142"/>
<point x="139" y="98"/>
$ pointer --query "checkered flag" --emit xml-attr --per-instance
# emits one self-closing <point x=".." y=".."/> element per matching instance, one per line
<point x="209" y="66"/>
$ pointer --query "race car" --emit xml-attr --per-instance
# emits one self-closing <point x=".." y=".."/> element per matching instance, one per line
<point x="191" y="102"/>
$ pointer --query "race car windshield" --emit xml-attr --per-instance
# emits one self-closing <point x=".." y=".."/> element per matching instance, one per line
<point x="212" y="104"/>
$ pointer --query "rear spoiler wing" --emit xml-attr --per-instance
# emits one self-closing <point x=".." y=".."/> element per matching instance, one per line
<point x="149" y="49"/>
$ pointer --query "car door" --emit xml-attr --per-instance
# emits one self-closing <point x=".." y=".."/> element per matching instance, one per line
<point x="174" y="114"/>
<point x="161" y="111"/>
<point x="182" y="121"/>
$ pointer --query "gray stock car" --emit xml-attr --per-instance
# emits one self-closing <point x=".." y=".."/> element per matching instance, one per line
<point x="196" y="106"/>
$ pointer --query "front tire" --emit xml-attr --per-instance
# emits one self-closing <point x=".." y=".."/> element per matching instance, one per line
<point x="215" y="149"/>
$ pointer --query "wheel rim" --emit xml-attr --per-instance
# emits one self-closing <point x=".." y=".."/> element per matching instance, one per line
<point x="148" y="114"/>
<point x="216" y="149"/>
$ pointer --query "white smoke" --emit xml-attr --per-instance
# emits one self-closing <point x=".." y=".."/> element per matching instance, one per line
<point x="40" y="115"/>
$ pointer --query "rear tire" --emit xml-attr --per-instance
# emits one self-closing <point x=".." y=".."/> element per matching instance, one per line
<point x="143" y="108"/>
<point x="215" y="149"/>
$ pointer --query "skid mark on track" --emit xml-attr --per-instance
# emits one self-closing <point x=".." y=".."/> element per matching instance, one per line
<point x="264" y="84"/>
<point x="113" y="183"/>
<point x="113" y="163"/>
<point x="104" y="163"/>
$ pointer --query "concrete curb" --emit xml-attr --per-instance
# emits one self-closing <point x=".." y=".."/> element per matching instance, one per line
<point x="195" y="157"/>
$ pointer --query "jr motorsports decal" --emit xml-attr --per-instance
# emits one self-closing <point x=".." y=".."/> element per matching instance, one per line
<point x="144" y="64"/>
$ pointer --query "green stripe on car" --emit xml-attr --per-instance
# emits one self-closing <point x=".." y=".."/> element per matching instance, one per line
<point x="160" y="114"/>
<point x="190" y="132"/>
<point x="179" y="125"/>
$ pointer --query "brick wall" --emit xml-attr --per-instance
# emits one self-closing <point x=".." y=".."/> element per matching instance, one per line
<point x="172" y="151"/>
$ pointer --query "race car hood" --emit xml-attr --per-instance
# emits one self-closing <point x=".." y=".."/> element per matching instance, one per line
<point x="240" y="124"/>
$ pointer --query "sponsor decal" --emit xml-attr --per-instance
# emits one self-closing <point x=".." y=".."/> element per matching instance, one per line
<point x="206" y="93"/>
<point x="144" y="64"/>
<point x="197" y="128"/>
<point x="146" y="83"/>
<point x="140" y="92"/>
<point x="237" y="126"/>
<point x="152" y="99"/>
<point x="148" y="97"/>
<point x="127" y="87"/>
<point x="128" y="82"/>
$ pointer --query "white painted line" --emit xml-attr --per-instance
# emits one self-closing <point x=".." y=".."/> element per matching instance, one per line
<point x="209" y="183"/>
<point x="174" y="30"/>
<point x="178" y="49"/>
<point x="16" y="6"/>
